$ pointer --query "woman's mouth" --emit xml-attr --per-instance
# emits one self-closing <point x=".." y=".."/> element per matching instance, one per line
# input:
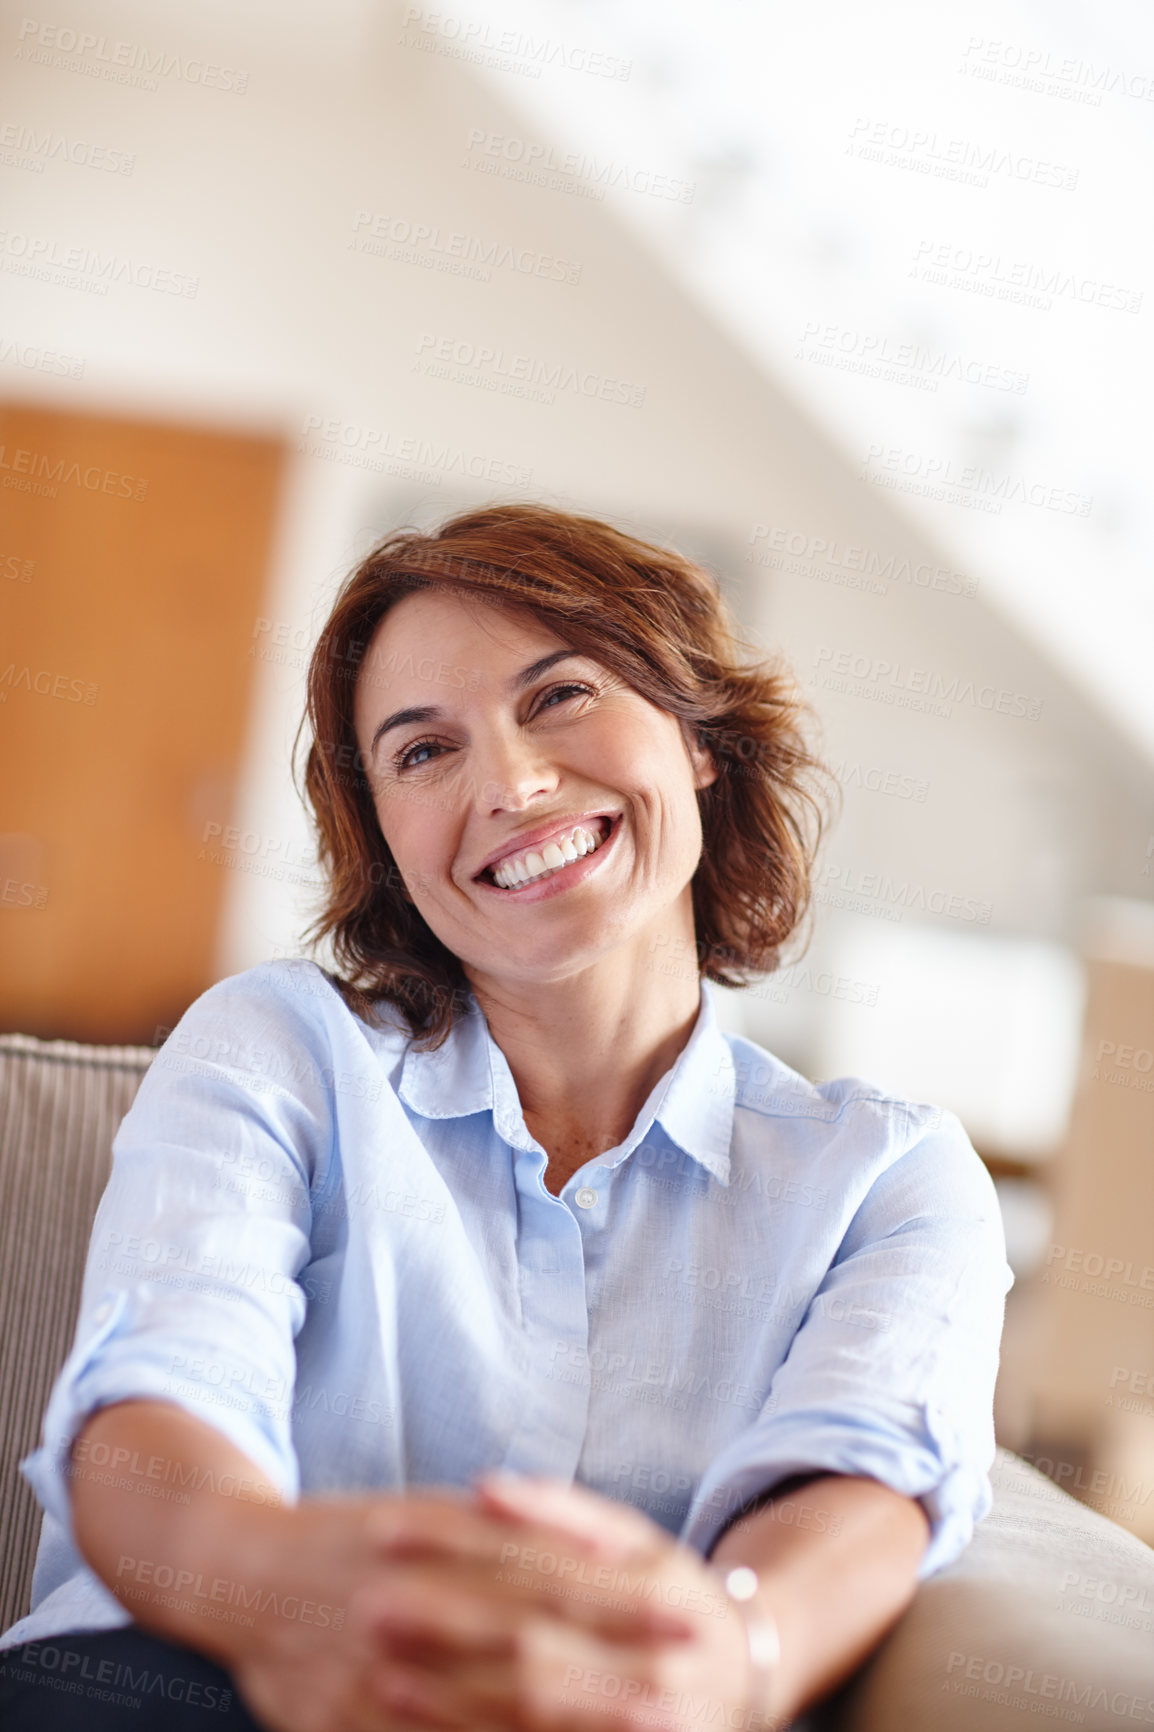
<point x="556" y="866"/>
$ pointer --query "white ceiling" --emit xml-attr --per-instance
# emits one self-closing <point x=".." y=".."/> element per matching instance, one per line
<point x="815" y="255"/>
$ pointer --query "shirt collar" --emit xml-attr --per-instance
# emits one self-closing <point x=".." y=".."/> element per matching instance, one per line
<point x="693" y="1102"/>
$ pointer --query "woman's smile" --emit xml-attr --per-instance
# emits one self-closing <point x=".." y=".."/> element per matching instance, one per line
<point x="555" y="877"/>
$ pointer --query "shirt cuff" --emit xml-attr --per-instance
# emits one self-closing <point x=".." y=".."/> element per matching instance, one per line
<point x="91" y="1378"/>
<point x="912" y="1449"/>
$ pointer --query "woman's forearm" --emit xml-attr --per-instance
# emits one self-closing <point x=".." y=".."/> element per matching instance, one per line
<point x="170" y="1515"/>
<point x="837" y="1562"/>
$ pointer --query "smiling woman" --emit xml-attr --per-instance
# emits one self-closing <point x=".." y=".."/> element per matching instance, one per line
<point x="587" y="695"/>
<point x="525" y="1348"/>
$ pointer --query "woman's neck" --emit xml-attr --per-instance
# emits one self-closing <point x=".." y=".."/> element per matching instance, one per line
<point x="586" y="1053"/>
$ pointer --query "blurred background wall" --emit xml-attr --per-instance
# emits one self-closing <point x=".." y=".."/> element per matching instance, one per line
<point x="852" y="307"/>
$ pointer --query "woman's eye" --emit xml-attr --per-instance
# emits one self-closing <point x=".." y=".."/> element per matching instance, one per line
<point x="404" y="760"/>
<point x="560" y="691"/>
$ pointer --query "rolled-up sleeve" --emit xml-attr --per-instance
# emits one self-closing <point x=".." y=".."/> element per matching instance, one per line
<point x="192" y="1290"/>
<point x="891" y="1374"/>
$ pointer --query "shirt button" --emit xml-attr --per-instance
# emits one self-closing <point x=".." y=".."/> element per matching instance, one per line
<point x="585" y="1198"/>
<point x="103" y="1311"/>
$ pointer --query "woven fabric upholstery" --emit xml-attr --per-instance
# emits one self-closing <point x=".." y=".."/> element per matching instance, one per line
<point x="60" y="1106"/>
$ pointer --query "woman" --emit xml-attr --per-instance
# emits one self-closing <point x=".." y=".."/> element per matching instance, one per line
<point x="497" y="1193"/>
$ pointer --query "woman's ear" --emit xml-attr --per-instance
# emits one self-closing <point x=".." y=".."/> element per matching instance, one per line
<point x="705" y="767"/>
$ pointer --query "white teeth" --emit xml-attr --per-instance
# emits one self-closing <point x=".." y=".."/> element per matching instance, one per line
<point x="551" y="858"/>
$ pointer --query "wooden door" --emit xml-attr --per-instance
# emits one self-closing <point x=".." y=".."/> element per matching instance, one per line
<point x="133" y="562"/>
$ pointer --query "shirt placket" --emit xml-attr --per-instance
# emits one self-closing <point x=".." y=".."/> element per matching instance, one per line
<point x="550" y="1430"/>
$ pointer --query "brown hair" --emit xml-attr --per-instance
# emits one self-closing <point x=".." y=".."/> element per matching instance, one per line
<point x="657" y="621"/>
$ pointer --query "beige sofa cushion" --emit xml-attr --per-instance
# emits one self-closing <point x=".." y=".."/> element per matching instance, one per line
<point x="1048" y="1615"/>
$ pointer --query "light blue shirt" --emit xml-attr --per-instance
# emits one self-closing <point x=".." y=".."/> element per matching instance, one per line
<point x="340" y="1252"/>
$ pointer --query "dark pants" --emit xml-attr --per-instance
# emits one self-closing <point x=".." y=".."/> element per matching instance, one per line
<point x="116" y="1681"/>
<point x="128" y="1681"/>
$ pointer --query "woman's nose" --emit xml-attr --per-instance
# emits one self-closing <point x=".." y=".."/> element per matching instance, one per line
<point x="510" y="769"/>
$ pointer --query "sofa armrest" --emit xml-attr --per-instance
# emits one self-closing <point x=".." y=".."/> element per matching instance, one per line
<point x="1047" y="1615"/>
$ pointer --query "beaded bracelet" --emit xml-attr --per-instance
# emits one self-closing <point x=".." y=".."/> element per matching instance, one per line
<point x="741" y="1585"/>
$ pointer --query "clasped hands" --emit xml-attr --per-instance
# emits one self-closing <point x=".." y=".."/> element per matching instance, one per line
<point x="546" y="1605"/>
<point x="528" y="1605"/>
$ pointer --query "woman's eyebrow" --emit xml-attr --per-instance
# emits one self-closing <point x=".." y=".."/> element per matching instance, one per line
<point x="432" y="712"/>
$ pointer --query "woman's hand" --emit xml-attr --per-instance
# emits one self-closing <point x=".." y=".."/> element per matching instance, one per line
<point x="559" y="1610"/>
<point x="298" y="1661"/>
<point x="323" y="1583"/>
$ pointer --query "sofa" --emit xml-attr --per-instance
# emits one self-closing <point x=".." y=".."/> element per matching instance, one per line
<point x="1048" y="1612"/>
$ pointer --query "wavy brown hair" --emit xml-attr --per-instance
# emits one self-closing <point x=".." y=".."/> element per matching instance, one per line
<point x="657" y="621"/>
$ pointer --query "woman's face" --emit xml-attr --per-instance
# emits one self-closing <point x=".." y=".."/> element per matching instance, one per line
<point x="506" y="749"/>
